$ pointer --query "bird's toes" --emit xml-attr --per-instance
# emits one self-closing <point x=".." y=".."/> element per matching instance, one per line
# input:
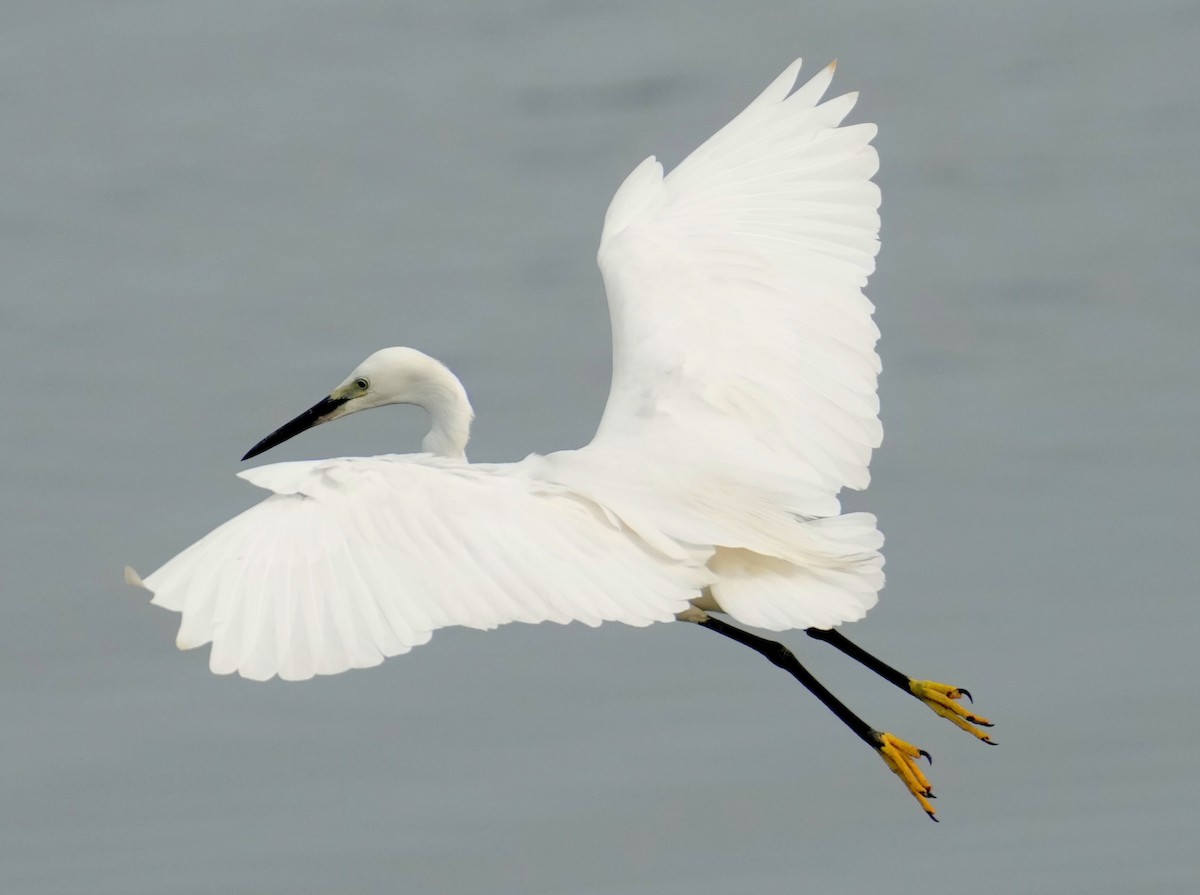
<point x="901" y="759"/>
<point x="942" y="699"/>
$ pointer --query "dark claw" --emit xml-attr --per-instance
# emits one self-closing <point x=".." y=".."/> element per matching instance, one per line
<point x="967" y="693"/>
<point x="975" y="720"/>
<point x="932" y="818"/>
<point x="990" y="741"/>
<point x="927" y="756"/>
<point x="929" y="794"/>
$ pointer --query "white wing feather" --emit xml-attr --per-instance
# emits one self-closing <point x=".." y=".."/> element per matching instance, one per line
<point x="742" y="340"/>
<point x="352" y="560"/>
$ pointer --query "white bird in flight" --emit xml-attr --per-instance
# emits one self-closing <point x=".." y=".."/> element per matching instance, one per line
<point x="743" y="399"/>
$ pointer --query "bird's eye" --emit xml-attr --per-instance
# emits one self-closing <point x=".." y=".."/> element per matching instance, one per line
<point x="361" y="383"/>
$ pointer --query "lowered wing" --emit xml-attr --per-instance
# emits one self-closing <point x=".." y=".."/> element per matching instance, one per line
<point x="356" y="559"/>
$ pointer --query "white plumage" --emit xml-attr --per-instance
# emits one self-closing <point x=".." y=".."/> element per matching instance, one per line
<point x="742" y="401"/>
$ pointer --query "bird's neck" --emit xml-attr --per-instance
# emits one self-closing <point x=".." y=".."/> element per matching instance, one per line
<point x="450" y="414"/>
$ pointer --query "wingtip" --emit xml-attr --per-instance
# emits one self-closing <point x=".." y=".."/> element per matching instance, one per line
<point x="832" y="66"/>
<point x="134" y="579"/>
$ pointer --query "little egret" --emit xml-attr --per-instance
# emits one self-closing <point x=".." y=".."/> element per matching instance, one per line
<point x="743" y="399"/>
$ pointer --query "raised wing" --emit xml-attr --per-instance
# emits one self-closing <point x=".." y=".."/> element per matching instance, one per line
<point x="741" y="336"/>
<point x="356" y="559"/>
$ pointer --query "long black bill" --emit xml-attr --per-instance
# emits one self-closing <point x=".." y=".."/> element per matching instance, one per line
<point x="311" y="417"/>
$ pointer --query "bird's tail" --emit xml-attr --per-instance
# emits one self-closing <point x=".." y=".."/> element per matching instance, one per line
<point x="838" y="581"/>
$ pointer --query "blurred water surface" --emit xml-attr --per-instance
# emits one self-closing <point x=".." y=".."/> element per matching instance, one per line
<point x="213" y="211"/>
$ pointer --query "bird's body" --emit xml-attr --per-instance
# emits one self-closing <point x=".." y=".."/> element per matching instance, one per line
<point x="742" y="401"/>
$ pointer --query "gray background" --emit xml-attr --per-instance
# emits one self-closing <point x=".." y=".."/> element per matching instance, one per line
<point x="212" y="211"/>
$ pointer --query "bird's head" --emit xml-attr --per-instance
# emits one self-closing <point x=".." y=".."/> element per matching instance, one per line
<point x="389" y="376"/>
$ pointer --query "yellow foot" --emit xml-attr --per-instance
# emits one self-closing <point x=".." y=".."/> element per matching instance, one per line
<point x="941" y="698"/>
<point x="902" y="757"/>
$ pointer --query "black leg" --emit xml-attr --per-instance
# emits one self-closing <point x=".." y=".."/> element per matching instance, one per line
<point x="899" y="756"/>
<point x="939" y="697"/>
<point x="780" y="655"/>
<point x="858" y="654"/>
